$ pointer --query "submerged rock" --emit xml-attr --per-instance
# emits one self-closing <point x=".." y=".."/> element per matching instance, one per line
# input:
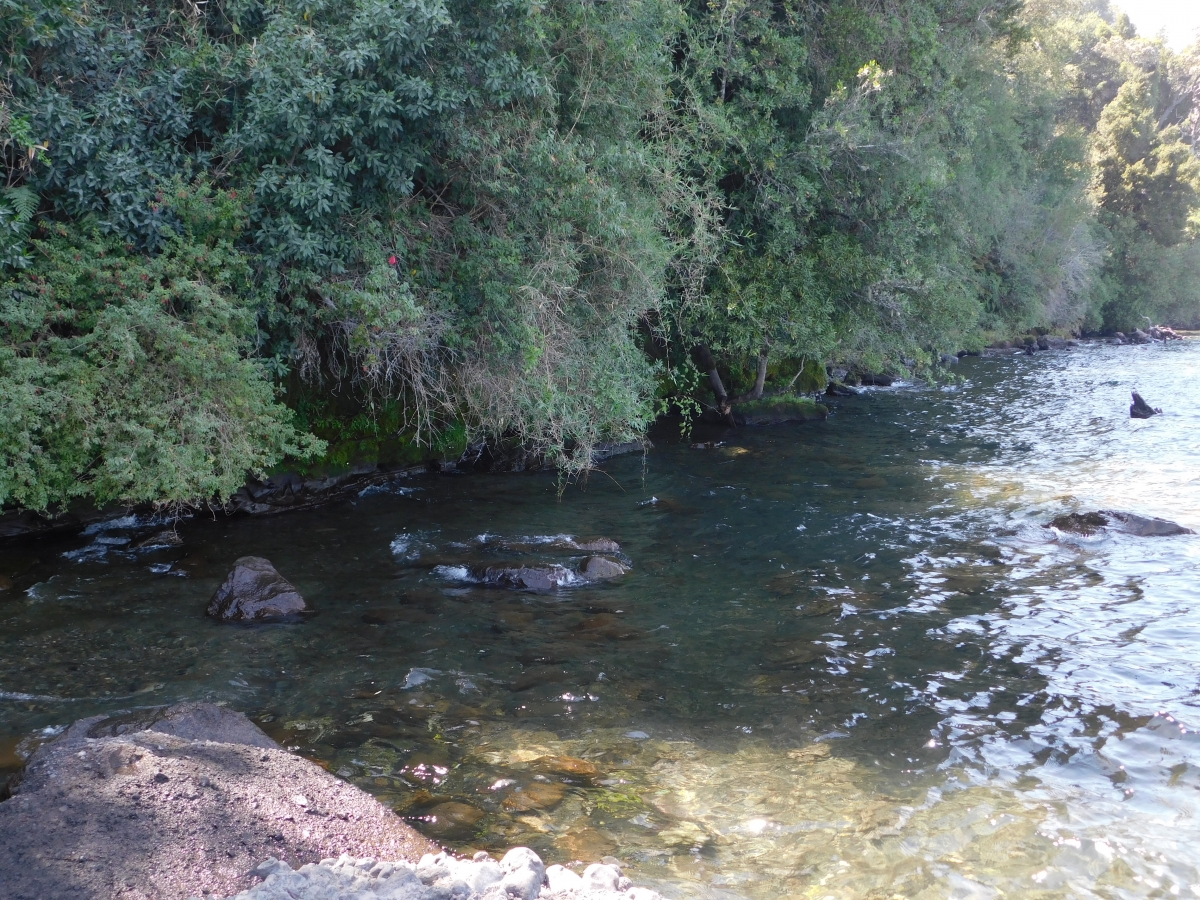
<point x="527" y="578"/>
<point x="1122" y="522"/>
<point x="1143" y="526"/>
<point x="1140" y="409"/>
<point x="453" y="819"/>
<point x="597" y="568"/>
<point x="254" y="592"/>
<point x="536" y="795"/>
<point x="1080" y="523"/>
<point x="597" y="545"/>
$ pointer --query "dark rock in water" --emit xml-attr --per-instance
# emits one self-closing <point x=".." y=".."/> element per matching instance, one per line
<point x="1043" y="343"/>
<point x="1140" y="409"/>
<point x="188" y="805"/>
<point x="383" y="615"/>
<point x="1142" y="526"/>
<point x="779" y="411"/>
<point x="597" y="545"/>
<point x="604" y="452"/>
<point x="167" y="538"/>
<point x="1123" y="522"/>
<point x="527" y="578"/>
<point x="1140" y="337"/>
<point x="837" y="389"/>
<point x="254" y="592"/>
<point x="537" y="676"/>
<point x="1079" y="523"/>
<point x="877" y="379"/>
<point x="601" y="567"/>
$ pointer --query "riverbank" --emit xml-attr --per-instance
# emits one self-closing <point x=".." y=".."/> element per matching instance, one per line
<point x="293" y="491"/>
<point x="194" y="800"/>
<point x="848" y="657"/>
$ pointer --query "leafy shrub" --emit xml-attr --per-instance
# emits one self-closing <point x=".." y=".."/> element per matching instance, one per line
<point x="125" y="377"/>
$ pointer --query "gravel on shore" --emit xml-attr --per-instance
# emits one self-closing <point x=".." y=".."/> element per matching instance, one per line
<point x="520" y="875"/>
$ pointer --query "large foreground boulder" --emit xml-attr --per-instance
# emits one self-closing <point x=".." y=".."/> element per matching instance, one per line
<point x="178" y="802"/>
<point x="255" y="592"/>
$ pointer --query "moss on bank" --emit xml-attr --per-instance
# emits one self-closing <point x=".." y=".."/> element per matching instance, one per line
<point x="780" y="410"/>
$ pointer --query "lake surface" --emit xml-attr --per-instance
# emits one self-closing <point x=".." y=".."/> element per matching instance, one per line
<point x="849" y="660"/>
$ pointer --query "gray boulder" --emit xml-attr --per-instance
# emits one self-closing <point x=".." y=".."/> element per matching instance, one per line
<point x="193" y="721"/>
<point x="597" y="545"/>
<point x="598" y="568"/>
<point x="254" y="592"/>
<point x="524" y="873"/>
<point x="1142" y="526"/>
<point x="527" y="578"/>
<point x="1121" y="522"/>
<point x="150" y="809"/>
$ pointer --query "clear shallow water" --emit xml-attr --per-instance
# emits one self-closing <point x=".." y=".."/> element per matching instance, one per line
<point x="849" y="661"/>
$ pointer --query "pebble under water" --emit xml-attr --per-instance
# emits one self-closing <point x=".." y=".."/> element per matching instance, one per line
<point x="849" y="659"/>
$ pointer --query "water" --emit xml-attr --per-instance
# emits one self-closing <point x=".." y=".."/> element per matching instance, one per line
<point x="849" y="660"/>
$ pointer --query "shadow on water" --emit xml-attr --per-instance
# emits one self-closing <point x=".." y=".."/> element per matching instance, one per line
<point x="848" y="658"/>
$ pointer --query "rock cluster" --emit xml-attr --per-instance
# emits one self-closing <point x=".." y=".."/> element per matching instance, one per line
<point x="520" y="875"/>
<point x="1152" y="333"/>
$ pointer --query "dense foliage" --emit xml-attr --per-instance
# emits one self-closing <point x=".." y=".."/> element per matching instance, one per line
<point x="225" y="225"/>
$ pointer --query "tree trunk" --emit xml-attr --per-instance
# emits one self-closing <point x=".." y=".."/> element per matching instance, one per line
<point x="760" y="380"/>
<point x="707" y="363"/>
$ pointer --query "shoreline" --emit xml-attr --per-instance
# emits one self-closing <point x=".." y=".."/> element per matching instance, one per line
<point x="194" y="800"/>
<point x="287" y="491"/>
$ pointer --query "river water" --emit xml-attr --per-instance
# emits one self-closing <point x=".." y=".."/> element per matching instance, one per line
<point x="849" y="660"/>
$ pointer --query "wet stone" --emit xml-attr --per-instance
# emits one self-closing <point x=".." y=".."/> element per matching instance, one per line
<point x="535" y="795"/>
<point x="586" y="843"/>
<point x="601" y="567"/>
<point x="527" y="578"/>
<point x="598" y="545"/>
<point x="167" y="538"/>
<point x="567" y="765"/>
<point x="539" y="675"/>
<point x="1123" y="522"/>
<point x="254" y="591"/>
<point x="448" y="819"/>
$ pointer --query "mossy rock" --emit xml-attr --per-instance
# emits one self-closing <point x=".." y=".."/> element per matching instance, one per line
<point x="779" y="411"/>
<point x="812" y="378"/>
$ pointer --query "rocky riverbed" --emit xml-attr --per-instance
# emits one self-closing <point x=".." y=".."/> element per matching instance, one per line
<point x="194" y="800"/>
